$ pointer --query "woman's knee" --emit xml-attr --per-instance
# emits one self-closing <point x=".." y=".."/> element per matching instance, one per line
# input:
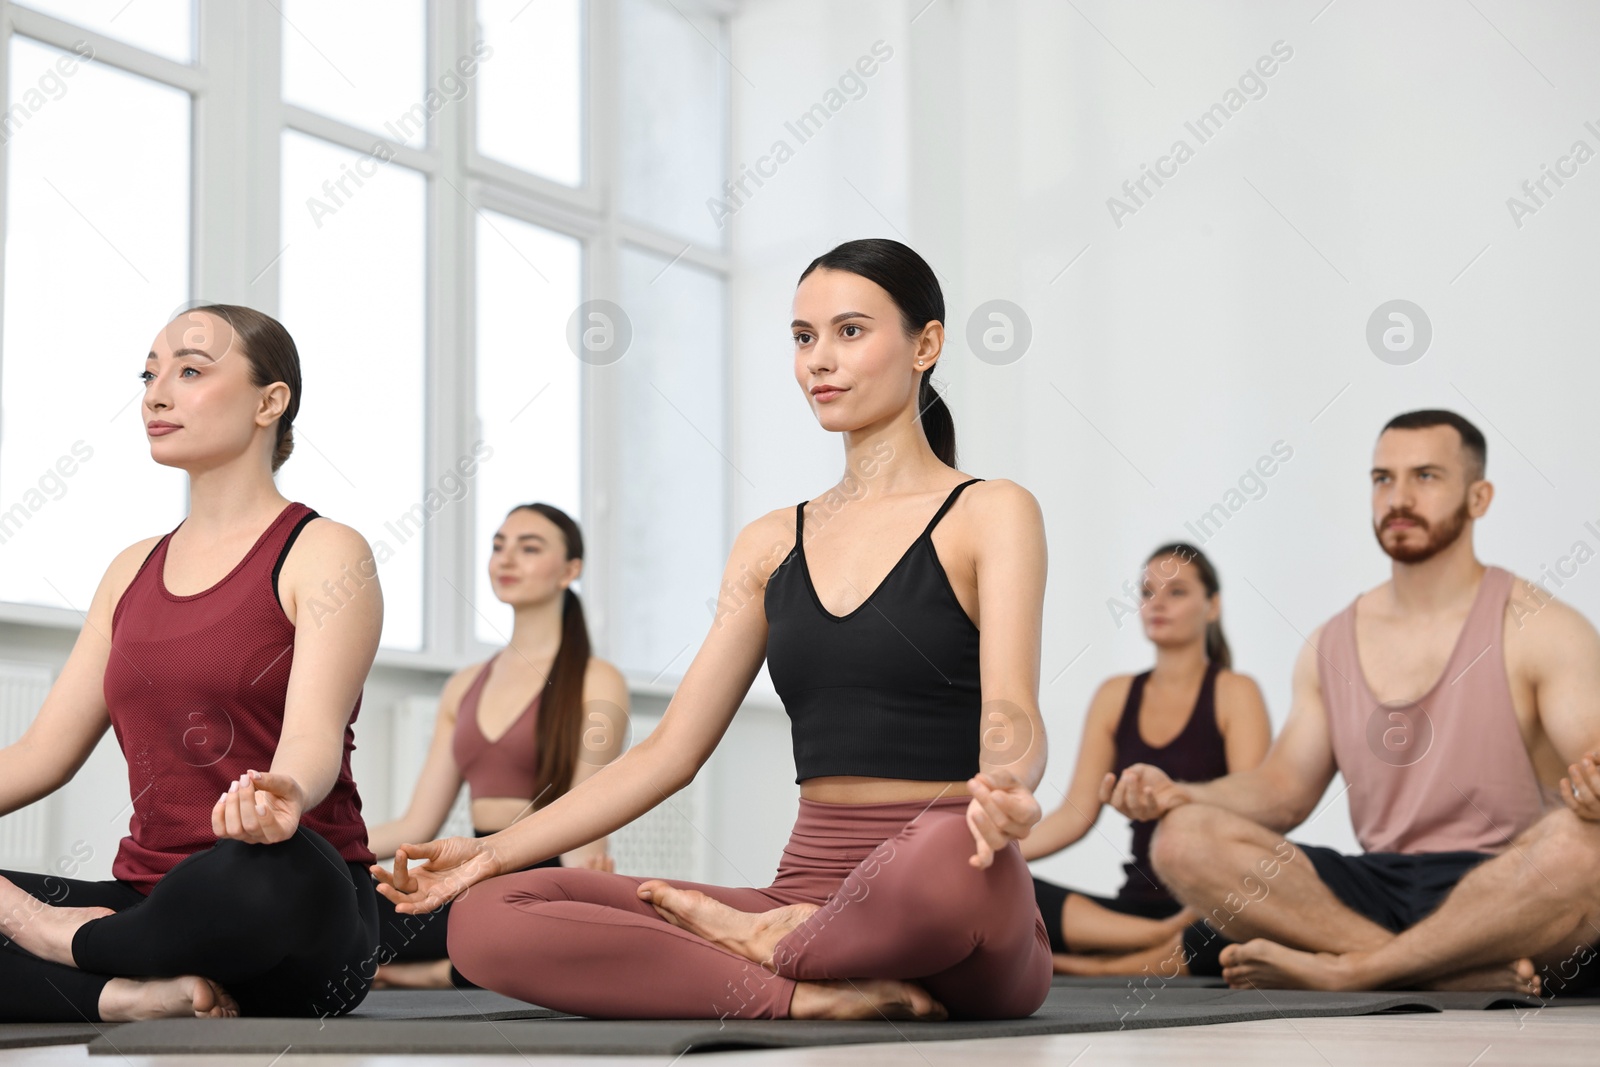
<point x="936" y="876"/>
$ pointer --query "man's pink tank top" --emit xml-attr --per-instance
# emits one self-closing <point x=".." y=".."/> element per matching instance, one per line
<point x="1448" y="771"/>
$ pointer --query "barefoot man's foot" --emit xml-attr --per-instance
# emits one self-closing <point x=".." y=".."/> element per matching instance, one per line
<point x="1518" y="976"/>
<point x="131" y="999"/>
<point x="1264" y="964"/>
<point x="41" y="928"/>
<point x="753" y="935"/>
<point x="864" y="998"/>
<point x="1268" y="965"/>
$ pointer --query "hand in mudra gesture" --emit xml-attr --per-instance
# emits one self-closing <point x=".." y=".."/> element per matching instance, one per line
<point x="450" y="866"/>
<point x="259" y="807"/>
<point x="1002" y="811"/>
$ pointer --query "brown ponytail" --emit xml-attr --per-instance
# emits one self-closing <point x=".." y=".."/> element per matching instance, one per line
<point x="558" y="728"/>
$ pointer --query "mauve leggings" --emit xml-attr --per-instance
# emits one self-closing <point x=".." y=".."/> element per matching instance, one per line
<point x="898" y="900"/>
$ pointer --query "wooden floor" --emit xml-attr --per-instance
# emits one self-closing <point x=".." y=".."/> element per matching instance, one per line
<point x="1553" y="1036"/>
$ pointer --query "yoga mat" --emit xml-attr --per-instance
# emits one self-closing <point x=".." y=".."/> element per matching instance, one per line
<point x="1072" y="1007"/>
<point x="445" y="1004"/>
<point x="381" y="1004"/>
<point x="26" y="1035"/>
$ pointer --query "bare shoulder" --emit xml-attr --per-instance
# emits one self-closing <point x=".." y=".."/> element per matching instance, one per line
<point x="1539" y="624"/>
<point x="1012" y="522"/>
<point x="1001" y="499"/>
<point x="456" y="686"/>
<point x="603" y="681"/>
<point x="1233" y="685"/>
<point x="1106" y="704"/>
<point x="122" y="569"/>
<point x="763" y="543"/>
<point x="325" y="539"/>
<point x="1237" y="694"/>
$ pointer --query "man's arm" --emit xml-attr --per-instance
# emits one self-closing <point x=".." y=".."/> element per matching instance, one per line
<point x="1561" y="651"/>
<point x="1279" y="794"/>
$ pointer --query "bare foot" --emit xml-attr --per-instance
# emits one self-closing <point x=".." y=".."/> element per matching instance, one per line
<point x="41" y="928"/>
<point x="1264" y="964"/>
<point x="1518" y="976"/>
<point x="427" y="974"/>
<point x="1162" y="961"/>
<point x="864" y="998"/>
<point x="130" y="999"/>
<point x="753" y="935"/>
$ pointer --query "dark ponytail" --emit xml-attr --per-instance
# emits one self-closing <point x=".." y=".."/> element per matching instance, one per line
<point x="914" y="288"/>
<point x="1217" y="650"/>
<point x="558" y="727"/>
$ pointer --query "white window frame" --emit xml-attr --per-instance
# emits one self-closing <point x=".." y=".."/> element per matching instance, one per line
<point x="239" y="115"/>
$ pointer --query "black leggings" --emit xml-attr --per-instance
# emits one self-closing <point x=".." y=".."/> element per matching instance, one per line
<point x="422" y="938"/>
<point x="288" y="929"/>
<point x="1051" y="898"/>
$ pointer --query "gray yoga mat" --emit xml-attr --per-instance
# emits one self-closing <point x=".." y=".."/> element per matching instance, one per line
<point x="1072" y="1007"/>
<point x="446" y="1004"/>
<point x="29" y="1035"/>
<point x="381" y="1004"/>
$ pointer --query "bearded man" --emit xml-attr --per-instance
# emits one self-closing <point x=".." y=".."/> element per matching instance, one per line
<point x="1462" y="706"/>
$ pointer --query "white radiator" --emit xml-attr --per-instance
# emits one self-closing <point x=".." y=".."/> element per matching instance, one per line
<point x="23" y="687"/>
<point x="667" y="842"/>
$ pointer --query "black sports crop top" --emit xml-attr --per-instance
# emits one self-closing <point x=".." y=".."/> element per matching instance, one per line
<point x="887" y="691"/>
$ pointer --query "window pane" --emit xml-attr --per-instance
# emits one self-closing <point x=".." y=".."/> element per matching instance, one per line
<point x="353" y="297"/>
<point x="670" y="498"/>
<point x="530" y="111"/>
<point x="529" y="281"/>
<point x="361" y="62"/>
<point x="165" y="27"/>
<point x="674" y="103"/>
<point x="97" y="257"/>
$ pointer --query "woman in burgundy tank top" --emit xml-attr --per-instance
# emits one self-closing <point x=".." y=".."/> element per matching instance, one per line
<point x="574" y="723"/>
<point x="1223" y="729"/>
<point x="232" y="684"/>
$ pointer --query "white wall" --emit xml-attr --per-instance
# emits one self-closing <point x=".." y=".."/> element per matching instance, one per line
<point x="1223" y="315"/>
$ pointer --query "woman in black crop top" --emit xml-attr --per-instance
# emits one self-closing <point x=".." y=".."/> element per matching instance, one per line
<point x="917" y="747"/>
<point x="1207" y="721"/>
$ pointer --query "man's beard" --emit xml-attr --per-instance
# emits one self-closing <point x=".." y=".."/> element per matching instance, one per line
<point x="1438" y="539"/>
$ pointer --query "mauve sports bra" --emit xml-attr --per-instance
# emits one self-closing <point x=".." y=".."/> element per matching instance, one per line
<point x="887" y="691"/>
<point x="505" y="767"/>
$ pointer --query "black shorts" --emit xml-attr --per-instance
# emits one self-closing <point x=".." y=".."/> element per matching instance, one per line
<point x="1396" y="890"/>
<point x="1051" y="898"/>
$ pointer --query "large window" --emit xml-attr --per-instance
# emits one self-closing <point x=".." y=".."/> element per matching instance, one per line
<point x="97" y="257"/>
<point x="445" y="203"/>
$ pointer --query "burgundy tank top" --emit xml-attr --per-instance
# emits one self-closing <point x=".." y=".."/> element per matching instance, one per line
<point x="505" y="767"/>
<point x="1197" y="754"/>
<point x="1447" y="772"/>
<point x="195" y="687"/>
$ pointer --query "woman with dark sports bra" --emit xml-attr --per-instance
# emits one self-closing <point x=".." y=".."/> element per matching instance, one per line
<point x="516" y="753"/>
<point x="1207" y="721"/>
<point x="901" y="892"/>
<point x="232" y="685"/>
